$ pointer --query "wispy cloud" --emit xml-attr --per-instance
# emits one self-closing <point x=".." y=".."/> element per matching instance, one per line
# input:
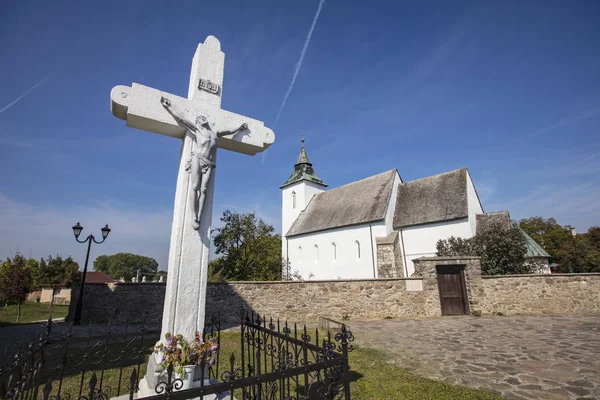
<point x="15" y="101"/>
<point x="299" y="63"/>
<point x="592" y="157"/>
<point x="567" y="121"/>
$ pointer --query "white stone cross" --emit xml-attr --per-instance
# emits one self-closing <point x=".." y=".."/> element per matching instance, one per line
<point x="140" y="106"/>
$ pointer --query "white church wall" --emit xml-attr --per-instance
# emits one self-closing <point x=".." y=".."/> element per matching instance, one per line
<point x="420" y="240"/>
<point x="303" y="191"/>
<point x="345" y="264"/>
<point x="473" y="203"/>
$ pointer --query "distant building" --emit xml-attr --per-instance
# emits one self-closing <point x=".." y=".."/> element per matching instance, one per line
<point x="62" y="296"/>
<point x="377" y="226"/>
<point x="98" y="277"/>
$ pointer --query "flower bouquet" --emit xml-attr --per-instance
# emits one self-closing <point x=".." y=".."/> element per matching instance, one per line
<point x="184" y="355"/>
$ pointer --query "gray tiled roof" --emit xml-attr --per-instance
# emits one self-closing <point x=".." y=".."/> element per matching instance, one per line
<point x="359" y="202"/>
<point x="485" y="221"/>
<point x="435" y="198"/>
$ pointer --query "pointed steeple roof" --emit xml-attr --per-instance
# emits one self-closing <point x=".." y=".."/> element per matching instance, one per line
<point x="303" y="170"/>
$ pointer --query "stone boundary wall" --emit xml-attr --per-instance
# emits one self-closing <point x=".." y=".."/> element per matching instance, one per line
<point x="338" y="300"/>
<point x="540" y="294"/>
<point x="296" y="301"/>
<point x="355" y="299"/>
<point x="120" y="302"/>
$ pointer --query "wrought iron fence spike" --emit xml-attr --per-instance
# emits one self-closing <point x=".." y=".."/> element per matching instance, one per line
<point x="132" y="383"/>
<point x="93" y="382"/>
<point x="47" y="389"/>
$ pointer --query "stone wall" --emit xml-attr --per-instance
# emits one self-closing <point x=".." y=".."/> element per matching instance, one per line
<point x="541" y="294"/>
<point x="296" y="301"/>
<point x="120" y="302"/>
<point x="357" y="299"/>
<point x="426" y="267"/>
<point x="306" y="301"/>
<point x="389" y="257"/>
<point x="516" y="294"/>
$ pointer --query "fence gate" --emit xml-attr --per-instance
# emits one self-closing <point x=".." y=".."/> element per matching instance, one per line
<point x="453" y="290"/>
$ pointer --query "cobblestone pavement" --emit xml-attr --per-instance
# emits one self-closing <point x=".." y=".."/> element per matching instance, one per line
<point x="519" y="357"/>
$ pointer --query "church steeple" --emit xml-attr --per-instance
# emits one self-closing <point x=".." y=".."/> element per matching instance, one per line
<point x="303" y="170"/>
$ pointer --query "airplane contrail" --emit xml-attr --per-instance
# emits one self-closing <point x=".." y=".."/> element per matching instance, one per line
<point x="299" y="63"/>
<point x="31" y="89"/>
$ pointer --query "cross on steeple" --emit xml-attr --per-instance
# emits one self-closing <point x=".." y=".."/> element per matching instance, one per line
<point x="303" y="170"/>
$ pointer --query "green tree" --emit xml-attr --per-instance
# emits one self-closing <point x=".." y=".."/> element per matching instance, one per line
<point x="593" y="234"/>
<point x="249" y="250"/>
<point x="502" y="251"/>
<point x="579" y="255"/>
<point x="53" y="272"/>
<point x="15" y="282"/>
<point x="547" y="233"/>
<point x="126" y="265"/>
<point x="455" y="246"/>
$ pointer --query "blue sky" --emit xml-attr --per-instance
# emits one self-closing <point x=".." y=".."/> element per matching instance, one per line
<point x="509" y="89"/>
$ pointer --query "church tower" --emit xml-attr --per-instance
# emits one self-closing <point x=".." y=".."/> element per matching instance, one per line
<point x="298" y="190"/>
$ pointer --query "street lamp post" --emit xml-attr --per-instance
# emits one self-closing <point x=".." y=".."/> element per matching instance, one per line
<point x="77" y="231"/>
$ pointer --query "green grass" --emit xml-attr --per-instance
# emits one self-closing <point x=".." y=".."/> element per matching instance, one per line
<point x="373" y="376"/>
<point x="31" y="312"/>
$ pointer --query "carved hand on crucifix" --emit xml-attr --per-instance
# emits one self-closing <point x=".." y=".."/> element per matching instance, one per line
<point x="201" y="161"/>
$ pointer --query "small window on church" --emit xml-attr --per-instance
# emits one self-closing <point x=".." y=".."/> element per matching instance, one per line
<point x="316" y="253"/>
<point x="293" y="199"/>
<point x="357" y="249"/>
<point x="300" y="252"/>
<point x="334" y="248"/>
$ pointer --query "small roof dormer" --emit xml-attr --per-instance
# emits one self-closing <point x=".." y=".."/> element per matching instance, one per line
<point x="303" y="171"/>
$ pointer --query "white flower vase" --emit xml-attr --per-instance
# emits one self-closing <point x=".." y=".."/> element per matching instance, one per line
<point x="198" y="372"/>
<point x="188" y="376"/>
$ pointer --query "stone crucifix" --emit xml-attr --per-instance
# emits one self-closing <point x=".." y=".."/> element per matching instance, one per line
<point x="202" y="126"/>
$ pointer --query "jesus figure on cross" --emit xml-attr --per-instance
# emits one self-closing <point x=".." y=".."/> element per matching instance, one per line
<point x="202" y="158"/>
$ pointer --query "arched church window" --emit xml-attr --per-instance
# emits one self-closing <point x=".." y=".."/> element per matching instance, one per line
<point x="334" y="248"/>
<point x="293" y="199"/>
<point x="357" y="248"/>
<point x="316" y="253"/>
<point x="300" y="252"/>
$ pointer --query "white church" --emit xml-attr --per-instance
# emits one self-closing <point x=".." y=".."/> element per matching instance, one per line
<point x="375" y="227"/>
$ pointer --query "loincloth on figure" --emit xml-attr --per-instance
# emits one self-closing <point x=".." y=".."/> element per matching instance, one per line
<point x="205" y="163"/>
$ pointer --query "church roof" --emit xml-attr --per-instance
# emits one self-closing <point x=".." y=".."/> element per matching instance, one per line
<point x="435" y="198"/>
<point x="485" y="221"/>
<point x="358" y="202"/>
<point x="303" y="170"/>
<point x="533" y="248"/>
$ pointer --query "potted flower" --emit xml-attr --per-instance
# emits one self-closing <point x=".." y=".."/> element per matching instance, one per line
<point x="203" y="351"/>
<point x="178" y="352"/>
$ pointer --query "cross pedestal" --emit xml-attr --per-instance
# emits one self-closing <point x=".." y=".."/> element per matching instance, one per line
<point x="140" y="106"/>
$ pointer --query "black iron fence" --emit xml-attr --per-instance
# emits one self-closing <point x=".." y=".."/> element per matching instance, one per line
<point x="274" y="360"/>
<point x="86" y="363"/>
